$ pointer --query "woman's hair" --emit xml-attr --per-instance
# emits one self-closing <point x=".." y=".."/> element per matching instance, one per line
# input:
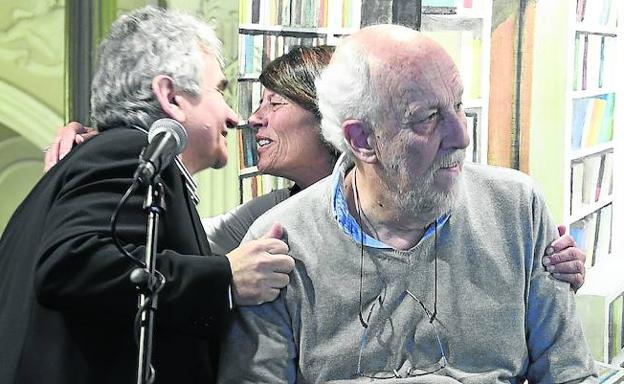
<point x="292" y="76"/>
<point x="141" y="45"/>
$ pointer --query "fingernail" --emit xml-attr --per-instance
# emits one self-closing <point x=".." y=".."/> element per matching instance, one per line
<point x="546" y="261"/>
<point x="550" y="250"/>
<point x="550" y="268"/>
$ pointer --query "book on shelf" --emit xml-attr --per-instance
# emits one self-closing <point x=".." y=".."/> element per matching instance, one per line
<point x="597" y="178"/>
<point x="472" y="124"/>
<point x="595" y="60"/>
<point x="249" y="147"/>
<point x="593" y="235"/>
<point x="592" y="120"/>
<point x="601" y="176"/>
<point x="254" y="185"/>
<point x="593" y="123"/>
<point x="604" y="227"/>
<point x="591" y="175"/>
<point x="249" y="188"/>
<point x="257" y="50"/>
<point x="249" y="95"/>
<point x="615" y="327"/>
<point x="597" y="12"/>
<point x="584" y="233"/>
<point x="606" y="184"/>
<point x="578" y="61"/>
<point x="593" y="309"/>
<point x="301" y="13"/>
<point x="605" y="177"/>
<point x="606" y="128"/>
<point x="576" y="186"/>
<point x="591" y="65"/>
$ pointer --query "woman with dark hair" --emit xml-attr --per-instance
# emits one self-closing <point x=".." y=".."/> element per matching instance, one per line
<point x="288" y="121"/>
<point x="290" y="145"/>
<point x="288" y="132"/>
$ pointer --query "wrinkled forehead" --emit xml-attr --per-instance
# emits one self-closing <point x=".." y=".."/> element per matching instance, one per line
<point x="418" y="74"/>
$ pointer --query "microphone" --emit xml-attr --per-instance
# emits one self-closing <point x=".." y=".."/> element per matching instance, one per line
<point x="166" y="138"/>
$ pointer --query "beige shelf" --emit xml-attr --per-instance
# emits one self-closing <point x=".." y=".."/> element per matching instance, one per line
<point x="257" y="29"/>
<point x="583" y="93"/>
<point x="584" y="152"/>
<point x="588" y="209"/>
<point x="605" y="279"/>
<point x="596" y="28"/>
<point x="249" y="171"/>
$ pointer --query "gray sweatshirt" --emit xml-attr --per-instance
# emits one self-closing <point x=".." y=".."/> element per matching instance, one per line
<point x="501" y="318"/>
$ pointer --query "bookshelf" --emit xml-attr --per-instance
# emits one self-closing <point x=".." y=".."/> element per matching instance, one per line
<point x="592" y="168"/>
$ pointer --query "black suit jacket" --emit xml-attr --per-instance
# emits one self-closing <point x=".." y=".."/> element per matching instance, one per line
<point x="67" y="305"/>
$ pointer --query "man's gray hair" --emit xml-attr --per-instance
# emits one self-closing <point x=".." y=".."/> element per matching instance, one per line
<point x="345" y="91"/>
<point x="141" y="45"/>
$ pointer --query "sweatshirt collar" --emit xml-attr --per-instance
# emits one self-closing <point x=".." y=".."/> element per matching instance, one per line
<point x="348" y="223"/>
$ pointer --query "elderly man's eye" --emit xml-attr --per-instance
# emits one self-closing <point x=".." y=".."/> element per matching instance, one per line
<point x="431" y="116"/>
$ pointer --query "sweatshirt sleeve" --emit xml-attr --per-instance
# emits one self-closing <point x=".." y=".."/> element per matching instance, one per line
<point x="558" y="351"/>
<point x="225" y="232"/>
<point x="259" y="346"/>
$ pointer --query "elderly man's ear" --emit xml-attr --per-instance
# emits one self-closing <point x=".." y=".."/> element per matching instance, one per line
<point x="359" y="140"/>
<point x="170" y="102"/>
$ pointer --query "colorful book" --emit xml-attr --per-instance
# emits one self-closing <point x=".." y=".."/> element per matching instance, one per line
<point x="593" y="122"/>
<point x="591" y="172"/>
<point x="579" y="109"/>
<point x="606" y="129"/>
<point x="615" y="327"/>
<point x="590" y="237"/>
<point x="580" y="10"/>
<point x="606" y="184"/>
<point x="594" y="60"/>
<point x="585" y="38"/>
<point x="576" y="190"/>
<point x="603" y="235"/>
<point x="578" y="62"/>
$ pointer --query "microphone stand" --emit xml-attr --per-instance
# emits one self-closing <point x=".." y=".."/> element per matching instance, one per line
<point x="149" y="282"/>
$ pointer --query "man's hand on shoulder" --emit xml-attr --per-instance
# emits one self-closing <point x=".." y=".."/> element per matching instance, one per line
<point x="564" y="260"/>
<point x="260" y="268"/>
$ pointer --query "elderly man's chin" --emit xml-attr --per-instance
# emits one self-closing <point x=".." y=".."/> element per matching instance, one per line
<point x="430" y="201"/>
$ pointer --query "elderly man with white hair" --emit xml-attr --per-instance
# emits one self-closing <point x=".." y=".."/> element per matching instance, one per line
<point x="411" y="266"/>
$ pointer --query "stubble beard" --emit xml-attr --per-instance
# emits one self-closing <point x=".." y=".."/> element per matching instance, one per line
<point x="418" y="196"/>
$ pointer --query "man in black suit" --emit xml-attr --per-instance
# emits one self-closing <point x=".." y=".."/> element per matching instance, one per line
<point x="66" y="301"/>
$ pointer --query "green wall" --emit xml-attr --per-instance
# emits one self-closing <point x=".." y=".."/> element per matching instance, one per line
<point x="548" y="104"/>
<point x="32" y="94"/>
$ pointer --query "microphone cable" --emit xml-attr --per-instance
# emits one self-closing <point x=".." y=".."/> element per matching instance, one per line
<point x="115" y="218"/>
